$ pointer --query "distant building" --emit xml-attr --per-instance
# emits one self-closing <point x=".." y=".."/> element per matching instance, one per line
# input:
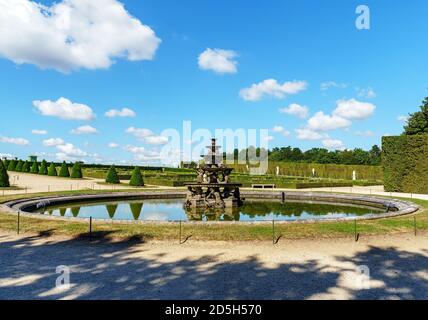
<point x="32" y="158"/>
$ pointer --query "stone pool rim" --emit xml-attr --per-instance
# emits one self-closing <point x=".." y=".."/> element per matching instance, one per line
<point x="398" y="207"/>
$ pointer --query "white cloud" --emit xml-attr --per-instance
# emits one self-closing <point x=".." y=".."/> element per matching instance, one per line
<point x="73" y="34"/>
<point x="142" y="153"/>
<point x="271" y="87"/>
<point x="307" y="134"/>
<point x="156" y="140"/>
<point x="403" y="118"/>
<point x="113" y="145"/>
<point x="269" y="138"/>
<point x="17" y="141"/>
<point x="354" y="109"/>
<point x="125" y="112"/>
<point x="333" y="144"/>
<point x="332" y="84"/>
<point x="39" y="132"/>
<point x="64" y="109"/>
<point x="147" y="136"/>
<point x="296" y="110"/>
<point x="53" y="142"/>
<point x="366" y="92"/>
<point x="323" y="122"/>
<point x="366" y="133"/>
<point x="70" y="150"/>
<point x="218" y="60"/>
<point x="84" y="130"/>
<point x="140" y="133"/>
<point x="278" y="129"/>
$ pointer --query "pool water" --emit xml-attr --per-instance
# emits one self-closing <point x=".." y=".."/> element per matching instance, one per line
<point x="172" y="210"/>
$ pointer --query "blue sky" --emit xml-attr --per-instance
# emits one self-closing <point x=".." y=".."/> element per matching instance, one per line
<point x="376" y="75"/>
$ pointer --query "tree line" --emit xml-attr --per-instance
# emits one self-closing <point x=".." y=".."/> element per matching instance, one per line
<point x="356" y="156"/>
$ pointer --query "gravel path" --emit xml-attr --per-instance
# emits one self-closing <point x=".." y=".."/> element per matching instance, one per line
<point x="326" y="269"/>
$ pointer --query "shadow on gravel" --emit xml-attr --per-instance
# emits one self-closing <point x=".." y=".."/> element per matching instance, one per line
<point x="108" y="271"/>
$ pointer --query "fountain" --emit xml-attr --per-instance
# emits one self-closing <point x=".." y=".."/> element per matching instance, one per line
<point x="213" y="188"/>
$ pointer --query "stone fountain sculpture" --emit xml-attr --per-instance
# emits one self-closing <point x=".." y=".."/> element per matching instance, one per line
<point x="213" y="188"/>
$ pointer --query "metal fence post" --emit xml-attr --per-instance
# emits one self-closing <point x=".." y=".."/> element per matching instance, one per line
<point x="273" y="231"/>
<point x="357" y="235"/>
<point x="90" y="229"/>
<point x="414" y="224"/>
<point x="18" y="224"/>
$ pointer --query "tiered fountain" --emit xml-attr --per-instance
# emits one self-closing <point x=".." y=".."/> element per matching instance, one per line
<point x="213" y="188"/>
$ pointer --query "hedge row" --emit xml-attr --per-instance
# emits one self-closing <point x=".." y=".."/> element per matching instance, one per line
<point x="43" y="168"/>
<point x="405" y="163"/>
<point x="328" y="171"/>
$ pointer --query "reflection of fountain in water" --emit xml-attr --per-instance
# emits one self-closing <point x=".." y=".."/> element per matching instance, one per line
<point x="199" y="214"/>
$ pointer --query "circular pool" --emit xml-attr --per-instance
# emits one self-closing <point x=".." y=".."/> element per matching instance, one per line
<point x="168" y="206"/>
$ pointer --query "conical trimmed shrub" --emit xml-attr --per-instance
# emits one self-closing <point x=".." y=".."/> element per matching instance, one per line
<point x="52" y="170"/>
<point x="4" y="177"/>
<point x="6" y="163"/>
<point x="63" y="172"/>
<point x="75" y="211"/>
<point x="136" y="178"/>
<point x="26" y="167"/>
<point x="112" y="176"/>
<point x="35" y="168"/>
<point x="11" y="166"/>
<point x="43" y="170"/>
<point x="111" y="209"/>
<point x="18" y="167"/>
<point x="136" y="209"/>
<point x="76" y="171"/>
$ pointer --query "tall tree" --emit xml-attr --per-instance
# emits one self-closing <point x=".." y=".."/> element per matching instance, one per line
<point x="4" y="177"/>
<point x="418" y="121"/>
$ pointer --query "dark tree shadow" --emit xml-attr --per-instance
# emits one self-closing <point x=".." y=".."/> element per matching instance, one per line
<point x="398" y="274"/>
<point x="110" y="271"/>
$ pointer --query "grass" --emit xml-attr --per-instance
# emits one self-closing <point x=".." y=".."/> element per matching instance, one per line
<point x="235" y="232"/>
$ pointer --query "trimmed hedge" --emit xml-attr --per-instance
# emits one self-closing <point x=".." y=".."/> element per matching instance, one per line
<point x="76" y="171"/>
<point x="63" y="171"/>
<point x="43" y="170"/>
<point x="136" y="178"/>
<point x="52" y="170"/>
<point x="327" y="171"/>
<point x="11" y="166"/>
<point x="35" y="168"/>
<point x="405" y="163"/>
<point x="26" y="167"/>
<point x="112" y="176"/>
<point x="18" y="167"/>
<point x="4" y="177"/>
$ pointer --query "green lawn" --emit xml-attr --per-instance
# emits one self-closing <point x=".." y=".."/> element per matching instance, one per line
<point x="238" y="232"/>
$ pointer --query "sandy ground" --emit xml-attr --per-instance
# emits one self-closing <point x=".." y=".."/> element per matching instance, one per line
<point x="374" y="268"/>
